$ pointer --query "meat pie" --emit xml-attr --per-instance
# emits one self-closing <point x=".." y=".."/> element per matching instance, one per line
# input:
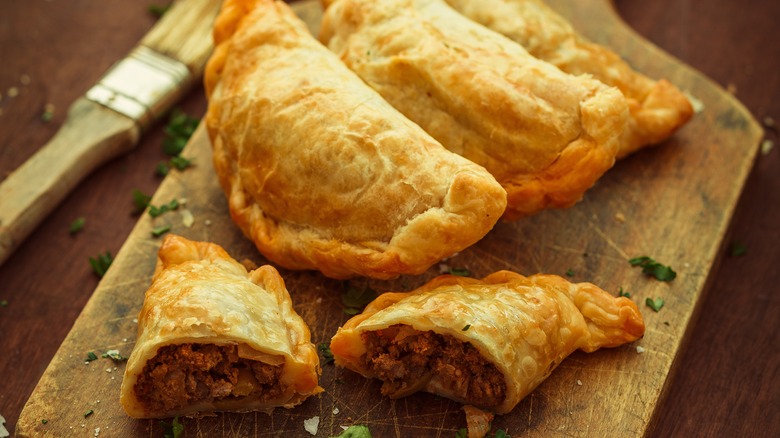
<point x="545" y="135"/>
<point x="214" y="337"/>
<point x="486" y="343"/>
<point x="321" y="172"/>
<point x="657" y="108"/>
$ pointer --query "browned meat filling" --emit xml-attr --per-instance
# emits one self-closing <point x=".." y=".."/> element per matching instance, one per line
<point x="406" y="359"/>
<point x="180" y="375"/>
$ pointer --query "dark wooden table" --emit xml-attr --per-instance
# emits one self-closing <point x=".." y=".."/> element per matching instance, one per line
<point x="725" y="383"/>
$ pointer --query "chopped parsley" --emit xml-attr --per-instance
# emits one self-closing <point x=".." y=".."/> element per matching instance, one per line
<point x="162" y="169"/>
<point x="90" y="357"/>
<point x="462" y="433"/>
<point x="355" y="299"/>
<point x="624" y="293"/>
<point x="355" y="431"/>
<point x="173" y="429"/>
<point x="47" y="114"/>
<point x="500" y="433"/>
<point x="44" y="421"/>
<point x="77" y="225"/>
<point x="159" y="231"/>
<point x="654" y="269"/>
<point x="101" y="263"/>
<point x="88" y="413"/>
<point x="178" y="132"/>
<point x="178" y="162"/>
<point x="460" y="272"/>
<point x="655" y="304"/>
<point x="466" y="327"/>
<point x="327" y="355"/>
<point x="114" y="355"/>
<point x="570" y="273"/>
<point x="737" y="249"/>
<point x="155" y="211"/>
<point x="140" y="200"/>
<point x="3" y="303"/>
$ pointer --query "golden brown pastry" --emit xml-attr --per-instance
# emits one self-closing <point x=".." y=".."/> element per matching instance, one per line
<point x="214" y="337"/>
<point x="319" y="170"/>
<point x="657" y="108"/>
<point x="545" y="135"/>
<point x="486" y="343"/>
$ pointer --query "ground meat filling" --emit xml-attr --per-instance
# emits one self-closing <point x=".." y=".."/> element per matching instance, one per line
<point x="180" y="375"/>
<point x="406" y="359"/>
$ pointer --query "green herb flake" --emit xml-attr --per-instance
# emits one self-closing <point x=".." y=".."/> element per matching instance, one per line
<point x="462" y="433"/>
<point x="654" y="269"/>
<point x="159" y="231"/>
<point x="155" y="211"/>
<point x="356" y="298"/>
<point x="3" y="303"/>
<point x="500" y="433"/>
<point x="101" y="263"/>
<point x="655" y="304"/>
<point x="737" y="249"/>
<point x="570" y="273"/>
<point x="178" y="131"/>
<point x="162" y="169"/>
<point x="44" y="421"/>
<point x="88" y="413"/>
<point x="624" y="293"/>
<point x="355" y="431"/>
<point x="466" y="328"/>
<point x="140" y="200"/>
<point x="47" y="114"/>
<point x="77" y="225"/>
<point x="180" y="162"/>
<point x="173" y="429"/>
<point x="91" y="356"/>
<point x="114" y="355"/>
<point x="460" y="272"/>
<point x="327" y="355"/>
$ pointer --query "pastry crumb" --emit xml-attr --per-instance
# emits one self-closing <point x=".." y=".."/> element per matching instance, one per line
<point x="579" y="382"/>
<point x="620" y="217"/>
<point x="766" y="146"/>
<point x="639" y="349"/>
<point x="696" y="104"/>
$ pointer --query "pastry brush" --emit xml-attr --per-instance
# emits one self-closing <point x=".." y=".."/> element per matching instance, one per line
<point x="109" y="119"/>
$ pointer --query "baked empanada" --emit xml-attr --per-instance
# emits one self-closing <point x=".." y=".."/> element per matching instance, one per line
<point x="486" y="343"/>
<point x="319" y="170"/>
<point x="545" y="135"/>
<point x="212" y="337"/>
<point x="657" y="108"/>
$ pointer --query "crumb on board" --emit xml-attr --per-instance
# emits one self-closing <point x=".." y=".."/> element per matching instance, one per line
<point x="766" y="146"/>
<point x="639" y="349"/>
<point x="620" y="217"/>
<point x="311" y="424"/>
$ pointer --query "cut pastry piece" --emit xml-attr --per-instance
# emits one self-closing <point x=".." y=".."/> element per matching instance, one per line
<point x="212" y="337"/>
<point x="657" y="108"/>
<point x="545" y="135"/>
<point x="486" y="343"/>
<point x="319" y="170"/>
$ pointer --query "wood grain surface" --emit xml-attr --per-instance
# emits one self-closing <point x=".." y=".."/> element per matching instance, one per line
<point x="677" y="200"/>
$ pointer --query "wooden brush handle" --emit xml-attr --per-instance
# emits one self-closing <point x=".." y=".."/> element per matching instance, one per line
<point x="90" y="136"/>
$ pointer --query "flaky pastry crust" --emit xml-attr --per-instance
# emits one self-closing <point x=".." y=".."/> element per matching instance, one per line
<point x="200" y="295"/>
<point x="320" y="171"/>
<point x="657" y="108"/>
<point x="525" y="326"/>
<point x="545" y="135"/>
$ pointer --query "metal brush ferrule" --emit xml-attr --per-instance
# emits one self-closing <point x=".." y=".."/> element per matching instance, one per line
<point x="142" y="86"/>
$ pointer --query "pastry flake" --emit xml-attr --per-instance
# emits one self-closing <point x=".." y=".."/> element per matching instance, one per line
<point x="321" y="172"/>
<point x="657" y="108"/>
<point x="545" y="135"/>
<point x="214" y="337"/>
<point x="486" y="343"/>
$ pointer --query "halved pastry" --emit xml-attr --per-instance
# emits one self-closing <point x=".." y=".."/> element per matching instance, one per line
<point x="319" y="170"/>
<point x="657" y="108"/>
<point x="545" y="135"/>
<point x="486" y="343"/>
<point x="214" y="337"/>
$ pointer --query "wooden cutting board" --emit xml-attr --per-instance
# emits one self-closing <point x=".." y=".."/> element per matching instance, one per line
<point x="673" y="203"/>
